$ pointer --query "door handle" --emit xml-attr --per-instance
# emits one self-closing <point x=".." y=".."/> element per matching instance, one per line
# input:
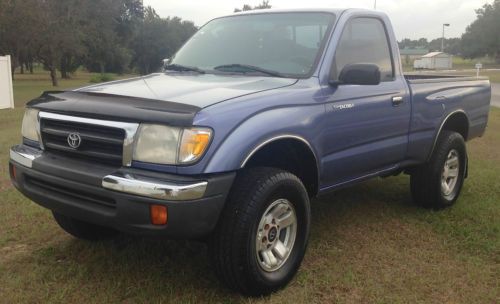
<point x="441" y="98"/>
<point x="397" y="100"/>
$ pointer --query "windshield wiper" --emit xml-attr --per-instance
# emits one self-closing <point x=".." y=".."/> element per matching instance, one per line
<point x="183" y="68"/>
<point x="244" y="68"/>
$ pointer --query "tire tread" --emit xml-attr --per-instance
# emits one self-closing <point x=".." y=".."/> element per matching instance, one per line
<point x="239" y="212"/>
<point x="425" y="179"/>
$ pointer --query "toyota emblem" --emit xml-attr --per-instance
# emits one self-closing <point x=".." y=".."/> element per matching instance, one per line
<point x="74" y="140"/>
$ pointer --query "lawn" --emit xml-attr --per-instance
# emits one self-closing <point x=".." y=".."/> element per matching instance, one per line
<point x="463" y="63"/>
<point x="369" y="244"/>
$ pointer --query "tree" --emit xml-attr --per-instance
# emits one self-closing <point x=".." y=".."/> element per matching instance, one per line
<point x="158" y="39"/>
<point x="40" y="30"/>
<point x="59" y="35"/>
<point x="264" y="5"/>
<point x="106" y="52"/>
<point x="73" y="50"/>
<point x="482" y="36"/>
<point x="18" y="31"/>
<point x="406" y="43"/>
<point x="103" y="35"/>
<point x="451" y="45"/>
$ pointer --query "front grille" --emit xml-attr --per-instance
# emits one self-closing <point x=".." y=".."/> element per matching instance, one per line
<point x="98" y="143"/>
<point x="69" y="194"/>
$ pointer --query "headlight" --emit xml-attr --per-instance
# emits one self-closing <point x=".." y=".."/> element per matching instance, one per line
<point x="157" y="144"/>
<point x="170" y="145"/>
<point x="30" y="125"/>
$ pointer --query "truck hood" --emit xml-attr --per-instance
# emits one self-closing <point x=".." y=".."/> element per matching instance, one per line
<point x="200" y="90"/>
<point x="158" y="98"/>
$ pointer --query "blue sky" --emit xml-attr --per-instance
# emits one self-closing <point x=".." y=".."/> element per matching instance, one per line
<point x="411" y="18"/>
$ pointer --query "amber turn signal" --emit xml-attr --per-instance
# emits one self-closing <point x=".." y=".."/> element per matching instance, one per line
<point x="159" y="215"/>
<point x="13" y="172"/>
<point x="193" y="144"/>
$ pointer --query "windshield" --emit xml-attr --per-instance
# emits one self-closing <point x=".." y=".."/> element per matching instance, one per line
<point x="286" y="44"/>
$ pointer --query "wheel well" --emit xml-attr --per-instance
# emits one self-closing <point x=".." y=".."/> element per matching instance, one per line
<point x="291" y="155"/>
<point x="458" y="122"/>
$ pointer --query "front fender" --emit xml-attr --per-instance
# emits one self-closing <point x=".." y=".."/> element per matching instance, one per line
<point x="303" y="122"/>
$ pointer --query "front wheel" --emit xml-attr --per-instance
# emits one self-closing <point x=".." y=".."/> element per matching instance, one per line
<point x="437" y="184"/>
<point x="262" y="235"/>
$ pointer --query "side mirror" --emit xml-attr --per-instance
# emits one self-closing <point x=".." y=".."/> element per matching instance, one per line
<point x="359" y="73"/>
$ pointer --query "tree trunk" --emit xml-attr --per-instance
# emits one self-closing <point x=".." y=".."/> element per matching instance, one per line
<point x="53" y="76"/>
<point x="102" y="68"/>
<point x="64" y="74"/>
<point x="30" y="66"/>
<point x="22" y="68"/>
<point x="64" y="68"/>
<point x="13" y="65"/>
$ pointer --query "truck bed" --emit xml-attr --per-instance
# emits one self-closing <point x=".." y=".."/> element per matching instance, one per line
<point x="434" y="97"/>
<point x="423" y="78"/>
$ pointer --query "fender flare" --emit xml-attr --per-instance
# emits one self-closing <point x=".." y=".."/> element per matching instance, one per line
<point x="275" y="138"/>
<point x="297" y="139"/>
<point x="441" y="129"/>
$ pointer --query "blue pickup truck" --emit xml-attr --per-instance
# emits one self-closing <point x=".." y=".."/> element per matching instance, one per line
<point x="254" y="116"/>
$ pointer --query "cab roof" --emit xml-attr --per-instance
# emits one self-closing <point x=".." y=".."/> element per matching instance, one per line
<point x="335" y="11"/>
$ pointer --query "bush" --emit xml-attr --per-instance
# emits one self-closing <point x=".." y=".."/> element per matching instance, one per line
<point x="101" y="78"/>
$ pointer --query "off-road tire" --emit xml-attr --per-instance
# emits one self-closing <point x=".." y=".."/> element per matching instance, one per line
<point x="232" y="246"/>
<point x="425" y="180"/>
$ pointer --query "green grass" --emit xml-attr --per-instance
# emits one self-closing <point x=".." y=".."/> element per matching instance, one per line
<point x="102" y="78"/>
<point x="494" y="76"/>
<point x="29" y="86"/>
<point x="369" y="244"/>
<point x="464" y="63"/>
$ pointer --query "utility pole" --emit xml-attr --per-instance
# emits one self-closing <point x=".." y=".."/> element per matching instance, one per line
<point x="442" y="39"/>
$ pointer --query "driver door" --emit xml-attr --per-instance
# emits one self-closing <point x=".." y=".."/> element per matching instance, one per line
<point x="367" y="125"/>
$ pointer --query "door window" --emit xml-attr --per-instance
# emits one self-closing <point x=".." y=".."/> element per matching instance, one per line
<point x="364" y="40"/>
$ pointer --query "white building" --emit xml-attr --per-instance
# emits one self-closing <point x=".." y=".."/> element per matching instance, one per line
<point x="434" y="61"/>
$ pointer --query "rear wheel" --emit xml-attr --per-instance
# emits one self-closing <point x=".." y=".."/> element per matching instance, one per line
<point x="83" y="230"/>
<point x="262" y="234"/>
<point x="437" y="184"/>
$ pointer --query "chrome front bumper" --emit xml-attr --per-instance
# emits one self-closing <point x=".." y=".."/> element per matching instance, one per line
<point x="24" y="155"/>
<point x="152" y="188"/>
<point x="126" y="183"/>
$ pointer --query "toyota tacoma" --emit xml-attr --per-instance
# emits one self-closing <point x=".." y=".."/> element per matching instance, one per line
<point x="256" y="114"/>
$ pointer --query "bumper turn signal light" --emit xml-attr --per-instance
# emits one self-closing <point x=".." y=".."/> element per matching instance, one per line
<point x="159" y="215"/>
<point x="13" y="173"/>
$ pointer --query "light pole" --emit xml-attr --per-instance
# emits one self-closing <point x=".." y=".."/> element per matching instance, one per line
<point x="442" y="39"/>
<point x="375" y="5"/>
